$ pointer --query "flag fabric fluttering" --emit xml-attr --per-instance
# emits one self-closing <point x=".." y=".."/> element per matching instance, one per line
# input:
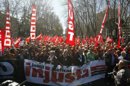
<point x="104" y="20"/>
<point x="7" y="41"/>
<point x="119" y="24"/>
<point x="70" y="36"/>
<point x="27" y="40"/>
<point x="33" y="24"/>
<point x="17" y="42"/>
<point x="2" y="38"/>
<point x="109" y="40"/>
<point x="39" y="37"/>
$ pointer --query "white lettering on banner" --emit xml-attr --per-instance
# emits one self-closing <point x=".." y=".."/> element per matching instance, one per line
<point x="33" y="28"/>
<point x="34" y="9"/>
<point x="7" y="33"/>
<point x="33" y="14"/>
<point x="70" y="12"/>
<point x="33" y="35"/>
<point x="9" y="68"/>
<point x="40" y="73"/>
<point x="33" y="18"/>
<point x="7" y="22"/>
<point x="71" y="35"/>
<point x="33" y="22"/>
<point x="7" y="27"/>
<point x="71" y="25"/>
<point x="7" y="42"/>
<point x="7" y="18"/>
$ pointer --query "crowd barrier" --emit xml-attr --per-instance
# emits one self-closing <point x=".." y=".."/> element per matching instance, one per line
<point x="42" y="73"/>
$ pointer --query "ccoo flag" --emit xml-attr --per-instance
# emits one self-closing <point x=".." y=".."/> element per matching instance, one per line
<point x="33" y="23"/>
<point x="7" y="41"/>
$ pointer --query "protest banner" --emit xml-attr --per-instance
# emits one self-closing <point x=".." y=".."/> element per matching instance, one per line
<point x="42" y="73"/>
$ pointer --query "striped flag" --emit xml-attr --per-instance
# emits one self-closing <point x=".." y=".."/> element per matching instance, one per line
<point x="17" y="42"/>
<point x="7" y="41"/>
<point x="33" y="23"/>
<point x="119" y="24"/>
<point x="104" y="20"/>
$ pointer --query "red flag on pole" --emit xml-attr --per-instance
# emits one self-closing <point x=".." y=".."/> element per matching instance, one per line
<point x="17" y="42"/>
<point x="27" y="40"/>
<point x="33" y="23"/>
<point x="119" y="24"/>
<point x="2" y="38"/>
<point x="39" y="37"/>
<point x="70" y="37"/>
<point x="104" y="20"/>
<point x="7" y="41"/>
<point x="109" y="40"/>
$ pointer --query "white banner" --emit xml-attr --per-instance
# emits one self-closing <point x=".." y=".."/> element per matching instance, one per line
<point x="42" y="73"/>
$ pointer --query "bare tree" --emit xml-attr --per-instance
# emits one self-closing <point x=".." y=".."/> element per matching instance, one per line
<point x="21" y="13"/>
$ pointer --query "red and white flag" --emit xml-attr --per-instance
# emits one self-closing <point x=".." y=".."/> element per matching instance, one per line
<point x="33" y="23"/>
<point x="7" y="41"/>
<point x="109" y="40"/>
<point x="119" y="24"/>
<point x="39" y="37"/>
<point x="27" y="40"/>
<point x="104" y="20"/>
<point x="2" y="38"/>
<point x="70" y="37"/>
<point x="17" y="42"/>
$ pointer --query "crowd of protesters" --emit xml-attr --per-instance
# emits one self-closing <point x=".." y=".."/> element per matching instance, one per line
<point x="63" y="54"/>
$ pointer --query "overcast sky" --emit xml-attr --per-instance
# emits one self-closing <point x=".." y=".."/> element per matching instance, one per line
<point x="60" y="10"/>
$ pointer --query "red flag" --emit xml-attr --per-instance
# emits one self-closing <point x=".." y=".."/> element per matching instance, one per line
<point x="119" y="25"/>
<point x="109" y="40"/>
<point x="100" y="40"/>
<point x="2" y="38"/>
<point x="54" y="39"/>
<point x="33" y="23"/>
<point x="70" y="39"/>
<point x="77" y="41"/>
<point x="60" y="39"/>
<point x="46" y="39"/>
<point x="17" y="42"/>
<point x="83" y="41"/>
<point x="7" y="41"/>
<point x="39" y="37"/>
<point x="27" y="40"/>
<point x="104" y="20"/>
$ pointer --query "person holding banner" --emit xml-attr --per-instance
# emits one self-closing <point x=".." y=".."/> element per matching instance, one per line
<point x="80" y="57"/>
<point x="122" y="76"/>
